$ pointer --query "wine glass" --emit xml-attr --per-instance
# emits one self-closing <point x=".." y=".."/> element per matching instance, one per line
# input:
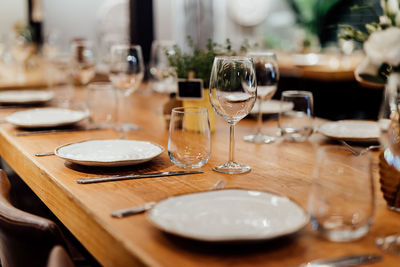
<point x="83" y="61"/>
<point x="21" y="51"/>
<point x="164" y="77"/>
<point x="267" y="74"/>
<point x="233" y="91"/>
<point x="126" y="74"/>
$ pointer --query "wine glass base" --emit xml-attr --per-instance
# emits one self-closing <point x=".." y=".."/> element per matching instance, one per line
<point x="127" y="127"/>
<point x="232" y="167"/>
<point x="389" y="243"/>
<point x="392" y="208"/>
<point x="259" y="139"/>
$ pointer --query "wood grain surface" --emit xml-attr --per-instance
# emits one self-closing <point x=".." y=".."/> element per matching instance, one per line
<point x="282" y="167"/>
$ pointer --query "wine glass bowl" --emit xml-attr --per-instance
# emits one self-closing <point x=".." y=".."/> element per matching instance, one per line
<point x="126" y="68"/>
<point x="83" y="61"/>
<point x="164" y="77"/>
<point x="267" y="73"/>
<point x="233" y="91"/>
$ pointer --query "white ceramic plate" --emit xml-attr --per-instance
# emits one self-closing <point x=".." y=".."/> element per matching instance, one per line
<point x="25" y="96"/>
<point x="271" y="107"/>
<point x="46" y="117"/>
<point x="109" y="153"/>
<point x="230" y="215"/>
<point x="351" y="130"/>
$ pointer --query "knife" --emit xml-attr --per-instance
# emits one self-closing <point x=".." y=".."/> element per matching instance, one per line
<point x="345" y="261"/>
<point x="132" y="176"/>
<point x="25" y="133"/>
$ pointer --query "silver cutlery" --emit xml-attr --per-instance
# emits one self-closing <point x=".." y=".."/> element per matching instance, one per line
<point x="358" y="151"/>
<point x="43" y="154"/>
<point x="133" y="176"/>
<point x="220" y="184"/>
<point x="132" y="210"/>
<point x="26" y="133"/>
<point x="352" y="260"/>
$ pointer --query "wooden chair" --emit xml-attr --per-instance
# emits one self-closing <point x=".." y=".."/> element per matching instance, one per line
<point x="25" y="239"/>
<point x="59" y="258"/>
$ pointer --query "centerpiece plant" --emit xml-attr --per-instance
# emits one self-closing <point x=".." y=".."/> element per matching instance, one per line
<point x="381" y="40"/>
<point x="198" y="62"/>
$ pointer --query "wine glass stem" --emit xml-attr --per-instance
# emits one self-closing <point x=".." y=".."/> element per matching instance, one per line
<point x="232" y="143"/>
<point x="259" y="119"/>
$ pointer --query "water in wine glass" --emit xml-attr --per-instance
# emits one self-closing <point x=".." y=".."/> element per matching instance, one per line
<point x="232" y="95"/>
<point x="127" y="82"/>
<point x="85" y="73"/>
<point x="235" y="106"/>
<point x="267" y="74"/>
<point x="164" y="78"/>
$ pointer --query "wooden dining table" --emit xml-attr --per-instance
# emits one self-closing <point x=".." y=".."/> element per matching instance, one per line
<point x="323" y="67"/>
<point x="284" y="168"/>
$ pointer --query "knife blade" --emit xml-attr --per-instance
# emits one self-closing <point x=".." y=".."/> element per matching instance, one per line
<point x="26" y="133"/>
<point x="352" y="260"/>
<point x="133" y="176"/>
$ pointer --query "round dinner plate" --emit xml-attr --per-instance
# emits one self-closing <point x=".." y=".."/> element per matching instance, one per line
<point x="109" y="153"/>
<point x="272" y="107"/>
<point x="230" y="215"/>
<point x="25" y="96"/>
<point x="46" y="117"/>
<point x="351" y="130"/>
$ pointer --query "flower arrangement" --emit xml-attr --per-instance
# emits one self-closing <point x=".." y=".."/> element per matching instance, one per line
<point x="381" y="42"/>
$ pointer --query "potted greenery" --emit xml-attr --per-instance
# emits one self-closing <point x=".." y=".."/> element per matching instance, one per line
<point x="198" y="64"/>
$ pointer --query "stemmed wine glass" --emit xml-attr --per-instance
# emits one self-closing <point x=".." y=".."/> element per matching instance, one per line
<point x="267" y="74"/>
<point x="164" y="78"/>
<point x="126" y="74"/>
<point x="83" y="61"/>
<point x="233" y="91"/>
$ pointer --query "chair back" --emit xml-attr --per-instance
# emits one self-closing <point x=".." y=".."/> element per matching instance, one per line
<point x="25" y="239"/>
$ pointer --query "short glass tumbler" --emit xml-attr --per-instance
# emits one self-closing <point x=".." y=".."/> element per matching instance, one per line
<point x="296" y="124"/>
<point x="101" y="100"/>
<point x="342" y="200"/>
<point x="189" y="143"/>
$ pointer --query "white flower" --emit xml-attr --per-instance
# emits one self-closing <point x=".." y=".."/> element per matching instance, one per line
<point x="383" y="47"/>
<point x="383" y="5"/>
<point x="397" y="19"/>
<point x="385" y="20"/>
<point x="392" y="7"/>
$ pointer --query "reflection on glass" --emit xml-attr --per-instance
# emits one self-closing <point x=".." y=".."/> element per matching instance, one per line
<point x="164" y="77"/>
<point x="83" y="61"/>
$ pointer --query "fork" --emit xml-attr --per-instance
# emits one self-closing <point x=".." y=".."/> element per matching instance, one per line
<point x="356" y="151"/>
